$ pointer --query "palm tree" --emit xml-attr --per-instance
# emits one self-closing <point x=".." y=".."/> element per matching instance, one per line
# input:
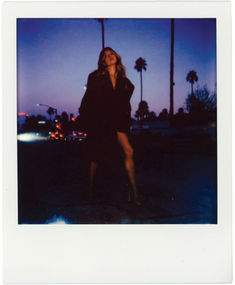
<point x="143" y="112"/>
<point x="140" y="64"/>
<point x="50" y="112"/>
<point x="192" y="77"/>
<point x="101" y="20"/>
<point x="143" y="109"/>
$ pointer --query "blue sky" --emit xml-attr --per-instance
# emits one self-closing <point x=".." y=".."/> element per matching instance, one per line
<point x="55" y="57"/>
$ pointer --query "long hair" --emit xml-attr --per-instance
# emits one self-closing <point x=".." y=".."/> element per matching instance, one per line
<point x="102" y="68"/>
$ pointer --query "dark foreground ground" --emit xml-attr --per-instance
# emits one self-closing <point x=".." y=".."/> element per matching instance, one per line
<point x="176" y="180"/>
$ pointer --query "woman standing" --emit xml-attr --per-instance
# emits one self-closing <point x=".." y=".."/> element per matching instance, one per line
<point x="105" y="109"/>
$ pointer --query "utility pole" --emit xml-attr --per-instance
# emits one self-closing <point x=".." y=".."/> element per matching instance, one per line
<point x="101" y="20"/>
<point x="172" y="70"/>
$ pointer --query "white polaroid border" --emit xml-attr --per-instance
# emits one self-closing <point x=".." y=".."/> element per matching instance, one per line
<point x="117" y="253"/>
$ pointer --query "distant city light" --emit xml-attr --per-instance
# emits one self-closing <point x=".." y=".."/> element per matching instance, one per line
<point x="42" y="122"/>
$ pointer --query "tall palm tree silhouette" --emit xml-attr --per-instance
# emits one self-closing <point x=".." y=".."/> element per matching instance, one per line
<point x="101" y="20"/>
<point x="140" y="64"/>
<point x="192" y="77"/>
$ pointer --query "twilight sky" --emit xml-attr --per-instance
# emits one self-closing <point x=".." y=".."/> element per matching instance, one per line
<point x="55" y="57"/>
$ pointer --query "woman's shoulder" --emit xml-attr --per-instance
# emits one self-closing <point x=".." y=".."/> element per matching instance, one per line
<point x="93" y="74"/>
<point x="92" y="78"/>
<point x="97" y="76"/>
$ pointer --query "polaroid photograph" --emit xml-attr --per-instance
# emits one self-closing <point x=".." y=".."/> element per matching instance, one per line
<point x="117" y="142"/>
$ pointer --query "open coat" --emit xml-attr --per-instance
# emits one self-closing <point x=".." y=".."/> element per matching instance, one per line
<point x="105" y="110"/>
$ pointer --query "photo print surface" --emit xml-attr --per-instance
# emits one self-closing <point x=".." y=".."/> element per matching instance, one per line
<point x="117" y="121"/>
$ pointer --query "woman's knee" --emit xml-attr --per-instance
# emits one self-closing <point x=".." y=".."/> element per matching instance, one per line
<point x="129" y="152"/>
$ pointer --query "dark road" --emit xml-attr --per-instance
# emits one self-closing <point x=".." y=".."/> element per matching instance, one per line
<point x="176" y="187"/>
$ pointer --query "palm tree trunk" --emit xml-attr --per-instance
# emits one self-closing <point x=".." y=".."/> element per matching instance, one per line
<point x="141" y="87"/>
<point x="172" y="69"/>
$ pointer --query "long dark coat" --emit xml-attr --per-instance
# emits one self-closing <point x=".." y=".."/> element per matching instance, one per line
<point x="105" y="110"/>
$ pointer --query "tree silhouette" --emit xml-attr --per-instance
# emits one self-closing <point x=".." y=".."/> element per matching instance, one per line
<point x="163" y="115"/>
<point x="192" y="78"/>
<point x="180" y="111"/>
<point x="50" y="112"/>
<point x="64" y="117"/>
<point x="140" y="64"/>
<point x="65" y="123"/>
<point x="152" y="116"/>
<point x="143" y="111"/>
<point x="201" y="105"/>
<point x="201" y="101"/>
<point x="180" y="119"/>
<point x="58" y="118"/>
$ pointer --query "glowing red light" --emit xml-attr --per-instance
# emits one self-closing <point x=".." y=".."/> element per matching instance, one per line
<point x="21" y="114"/>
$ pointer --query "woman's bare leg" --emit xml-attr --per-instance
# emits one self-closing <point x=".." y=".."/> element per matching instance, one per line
<point x="129" y="162"/>
<point x="93" y="167"/>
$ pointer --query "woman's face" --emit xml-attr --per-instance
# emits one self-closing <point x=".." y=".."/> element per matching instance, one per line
<point x="109" y="58"/>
